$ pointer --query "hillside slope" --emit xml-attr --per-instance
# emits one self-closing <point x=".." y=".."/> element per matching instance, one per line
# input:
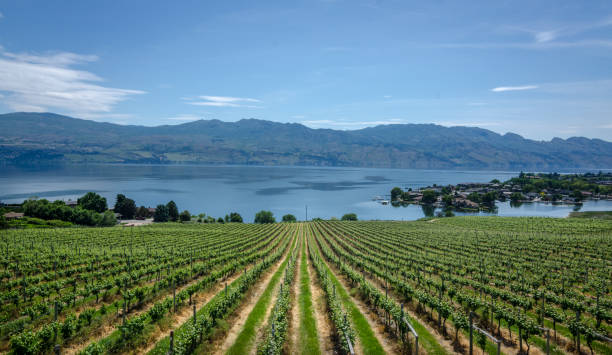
<point x="45" y="137"/>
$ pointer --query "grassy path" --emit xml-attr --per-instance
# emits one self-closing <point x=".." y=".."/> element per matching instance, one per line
<point x="246" y="338"/>
<point x="368" y="342"/>
<point x="308" y="342"/>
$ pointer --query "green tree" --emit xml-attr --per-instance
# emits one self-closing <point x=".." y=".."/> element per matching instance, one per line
<point x="264" y="217"/>
<point x="396" y="192"/>
<point x="349" y="217"/>
<point x="474" y="197"/>
<point x="489" y="198"/>
<point x="235" y="217"/>
<point x="161" y="214"/>
<point x="516" y="197"/>
<point x="429" y="197"/>
<point x="220" y="220"/>
<point x="93" y="201"/>
<point x="125" y="206"/>
<point x="108" y="219"/>
<point x="185" y="216"/>
<point x="577" y="195"/>
<point x="447" y="200"/>
<point x="173" y="213"/>
<point x="289" y="218"/>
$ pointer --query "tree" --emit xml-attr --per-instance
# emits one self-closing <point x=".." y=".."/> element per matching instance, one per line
<point x="448" y="200"/>
<point x="108" y="219"/>
<point x="173" y="213"/>
<point x="125" y="206"/>
<point x="577" y="195"/>
<point x="185" y="216"/>
<point x="161" y="214"/>
<point x="235" y="217"/>
<point x="93" y="201"/>
<point x="395" y="193"/>
<point x="349" y="217"/>
<point x="429" y="197"/>
<point x="289" y="218"/>
<point x="264" y="217"/>
<point x="516" y="197"/>
<point x="489" y="198"/>
<point x="474" y="197"/>
<point x="220" y="220"/>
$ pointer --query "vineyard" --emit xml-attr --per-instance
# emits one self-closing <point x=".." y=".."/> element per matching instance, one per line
<point x="469" y="285"/>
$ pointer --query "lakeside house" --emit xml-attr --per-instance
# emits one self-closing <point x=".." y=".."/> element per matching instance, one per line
<point x="72" y="203"/>
<point x="13" y="215"/>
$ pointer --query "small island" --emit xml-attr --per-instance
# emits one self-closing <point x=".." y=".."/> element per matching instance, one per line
<point x="570" y="189"/>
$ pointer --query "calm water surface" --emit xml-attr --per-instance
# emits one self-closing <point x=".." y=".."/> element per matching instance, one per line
<point x="218" y="190"/>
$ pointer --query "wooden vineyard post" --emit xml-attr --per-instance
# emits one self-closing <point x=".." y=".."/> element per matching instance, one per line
<point x="171" y="350"/>
<point x="56" y="349"/>
<point x="226" y="290"/>
<point x="174" y="296"/>
<point x="194" y="314"/>
<point x="547" y="339"/>
<point x="494" y="339"/>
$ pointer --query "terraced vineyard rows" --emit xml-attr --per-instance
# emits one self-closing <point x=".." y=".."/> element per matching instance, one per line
<point x="310" y="288"/>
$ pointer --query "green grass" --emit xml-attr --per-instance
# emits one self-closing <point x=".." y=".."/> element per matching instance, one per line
<point x="592" y="214"/>
<point x="245" y="339"/>
<point x="366" y="336"/>
<point x="308" y="341"/>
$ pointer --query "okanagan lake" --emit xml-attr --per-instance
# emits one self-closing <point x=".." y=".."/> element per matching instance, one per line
<point x="219" y="190"/>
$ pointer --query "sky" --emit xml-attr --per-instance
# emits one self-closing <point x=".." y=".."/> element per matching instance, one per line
<point x="541" y="69"/>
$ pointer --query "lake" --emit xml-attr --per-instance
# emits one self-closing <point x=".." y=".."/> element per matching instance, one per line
<point x="219" y="190"/>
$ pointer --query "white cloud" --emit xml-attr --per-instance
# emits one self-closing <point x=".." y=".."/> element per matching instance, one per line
<point x="186" y="117"/>
<point x="342" y="124"/>
<point x="33" y="82"/>
<point x="1" y="16"/>
<point x="222" y="101"/>
<point x="514" y="88"/>
<point x="468" y="124"/>
<point x="545" y="36"/>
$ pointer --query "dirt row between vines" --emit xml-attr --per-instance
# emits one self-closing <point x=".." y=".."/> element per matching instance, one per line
<point x="238" y="318"/>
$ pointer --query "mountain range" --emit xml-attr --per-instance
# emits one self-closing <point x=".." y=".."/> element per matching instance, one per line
<point x="27" y="138"/>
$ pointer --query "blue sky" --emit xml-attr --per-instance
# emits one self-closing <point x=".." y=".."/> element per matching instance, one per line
<point x="542" y="69"/>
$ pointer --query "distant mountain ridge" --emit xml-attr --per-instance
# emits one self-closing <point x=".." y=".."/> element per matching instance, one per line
<point x="47" y="137"/>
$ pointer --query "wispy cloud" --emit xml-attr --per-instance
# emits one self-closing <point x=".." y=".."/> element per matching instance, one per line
<point x="468" y="124"/>
<point x="186" y="117"/>
<point x="545" y="36"/>
<point x="42" y="82"/>
<point x="514" y="88"/>
<point x="343" y="124"/>
<point x="529" y="45"/>
<point x="1" y="16"/>
<point x="223" y="101"/>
